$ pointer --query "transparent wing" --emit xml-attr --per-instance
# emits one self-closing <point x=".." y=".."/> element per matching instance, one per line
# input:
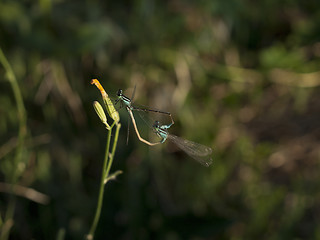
<point x="150" y="117"/>
<point x="198" y="152"/>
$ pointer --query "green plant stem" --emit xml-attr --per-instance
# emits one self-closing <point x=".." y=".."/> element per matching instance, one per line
<point x="22" y="116"/>
<point x="113" y="150"/>
<point x="105" y="172"/>
<point x="100" y="198"/>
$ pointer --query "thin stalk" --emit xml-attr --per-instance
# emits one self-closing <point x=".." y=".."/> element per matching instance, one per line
<point x="113" y="150"/>
<point x="100" y="198"/>
<point x="108" y="159"/>
<point x="8" y="222"/>
<point x="22" y="116"/>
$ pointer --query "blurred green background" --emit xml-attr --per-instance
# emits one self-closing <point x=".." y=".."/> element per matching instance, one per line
<point x="239" y="76"/>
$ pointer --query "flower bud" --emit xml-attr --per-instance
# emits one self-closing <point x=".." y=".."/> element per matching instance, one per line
<point x="99" y="110"/>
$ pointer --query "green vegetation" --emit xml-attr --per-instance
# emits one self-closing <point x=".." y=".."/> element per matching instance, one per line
<point x="246" y="72"/>
<point x="109" y="156"/>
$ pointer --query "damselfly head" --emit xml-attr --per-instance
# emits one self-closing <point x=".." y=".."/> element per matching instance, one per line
<point x="156" y="124"/>
<point x="119" y="93"/>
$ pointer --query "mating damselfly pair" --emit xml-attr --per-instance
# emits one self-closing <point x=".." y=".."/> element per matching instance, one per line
<point x="198" y="152"/>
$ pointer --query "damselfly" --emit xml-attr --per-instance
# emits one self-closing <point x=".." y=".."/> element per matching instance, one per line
<point x="128" y="104"/>
<point x="198" y="152"/>
<point x="123" y="99"/>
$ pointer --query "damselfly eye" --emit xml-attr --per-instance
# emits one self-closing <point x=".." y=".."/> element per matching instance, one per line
<point x="119" y="93"/>
<point x="156" y="124"/>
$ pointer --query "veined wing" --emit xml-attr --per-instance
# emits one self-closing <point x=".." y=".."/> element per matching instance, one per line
<point x="198" y="152"/>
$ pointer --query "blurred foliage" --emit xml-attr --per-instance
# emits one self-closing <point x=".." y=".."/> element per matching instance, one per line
<point x="240" y="76"/>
